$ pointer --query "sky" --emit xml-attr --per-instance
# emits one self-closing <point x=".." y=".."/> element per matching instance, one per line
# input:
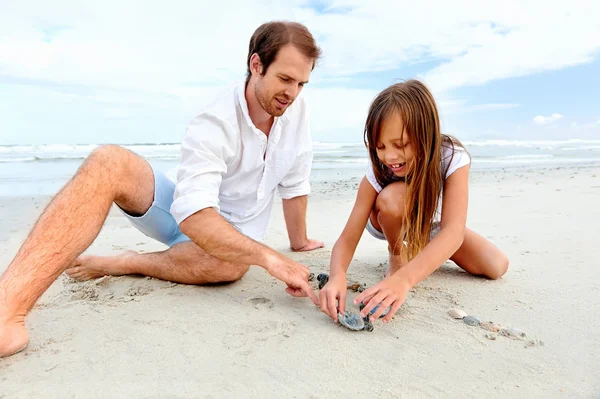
<point x="138" y="71"/>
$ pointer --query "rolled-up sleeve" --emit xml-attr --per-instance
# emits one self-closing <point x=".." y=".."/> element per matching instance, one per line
<point x="207" y="146"/>
<point x="297" y="181"/>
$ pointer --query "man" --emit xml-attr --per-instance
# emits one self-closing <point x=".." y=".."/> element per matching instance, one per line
<point x="252" y="140"/>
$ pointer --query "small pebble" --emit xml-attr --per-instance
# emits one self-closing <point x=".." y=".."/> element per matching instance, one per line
<point x="457" y="313"/>
<point x="354" y="287"/>
<point x="490" y="326"/>
<point x="472" y="320"/>
<point x="534" y="342"/>
<point x="362" y="287"/>
<point x="491" y="337"/>
<point x="311" y="277"/>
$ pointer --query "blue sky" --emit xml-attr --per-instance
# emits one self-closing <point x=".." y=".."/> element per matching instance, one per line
<point x="123" y="72"/>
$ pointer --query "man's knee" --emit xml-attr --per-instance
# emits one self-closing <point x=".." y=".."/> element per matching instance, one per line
<point x="222" y="273"/>
<point x="107" y="154"/>
<point x="237" y="273"/>
<point x="390" y="201"/>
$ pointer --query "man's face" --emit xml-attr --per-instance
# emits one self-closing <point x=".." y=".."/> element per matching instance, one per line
<point x="283" y="81"/>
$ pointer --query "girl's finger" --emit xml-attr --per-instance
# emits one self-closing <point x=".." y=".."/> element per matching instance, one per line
<point x="371" y="304"/>
<point x="366" y="295"/>
<point x="382" y="307"/>
<point x="395" y="306"/>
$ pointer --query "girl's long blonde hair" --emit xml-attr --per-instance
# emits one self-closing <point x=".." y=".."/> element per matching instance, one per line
<point x="414" y="103"/>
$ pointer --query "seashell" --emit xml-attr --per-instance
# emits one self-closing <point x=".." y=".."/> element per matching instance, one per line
<point x="457" y="313"/>
<point x="513" y="332"/>
<point x="352" y="321"/>
<point x="490" y="326"/>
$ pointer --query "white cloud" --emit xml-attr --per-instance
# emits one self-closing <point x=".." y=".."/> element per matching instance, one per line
<point x="547" y="120"/>
<point x="129" y="58"/>
<point x="116" y="44"/>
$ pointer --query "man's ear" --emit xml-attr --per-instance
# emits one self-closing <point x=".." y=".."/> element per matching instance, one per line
<point x="256" y="65"/>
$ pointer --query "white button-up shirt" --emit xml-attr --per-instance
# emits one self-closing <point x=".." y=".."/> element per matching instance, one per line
<point x="228" y="164"/>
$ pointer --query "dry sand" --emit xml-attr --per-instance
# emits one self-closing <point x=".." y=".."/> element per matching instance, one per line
<point x="141" y="337"/>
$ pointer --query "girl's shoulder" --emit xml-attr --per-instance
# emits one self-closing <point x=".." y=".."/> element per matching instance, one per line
<point x="370" y="175"/>
<point x="454" y="156"/>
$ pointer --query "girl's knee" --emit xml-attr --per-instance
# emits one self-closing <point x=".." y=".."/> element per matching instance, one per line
<point x="498" y="268"/>
<point x="390" y="201"/>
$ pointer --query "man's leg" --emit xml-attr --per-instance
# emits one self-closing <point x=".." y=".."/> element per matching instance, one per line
<point x="184" y="263"/>
<point x="65" y="229"/>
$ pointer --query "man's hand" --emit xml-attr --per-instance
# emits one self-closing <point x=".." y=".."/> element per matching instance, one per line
<point x="294" y="274"/>
<point x="309" y="246"/>
<point x="390" y="292"/>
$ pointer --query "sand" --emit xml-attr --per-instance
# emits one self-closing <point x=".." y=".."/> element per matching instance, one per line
<point x="141" y="337"/>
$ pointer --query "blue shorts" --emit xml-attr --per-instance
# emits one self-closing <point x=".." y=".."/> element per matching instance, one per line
<point x="157" y="222"/>
<point x="435" y="229"/>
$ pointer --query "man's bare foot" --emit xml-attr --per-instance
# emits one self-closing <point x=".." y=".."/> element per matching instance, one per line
<point x="14" y="336"/>
<point x="87" y="267"/>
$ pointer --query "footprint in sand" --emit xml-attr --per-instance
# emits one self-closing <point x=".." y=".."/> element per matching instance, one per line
<point x="260" y="302"/>
<point x="139" y="290"/>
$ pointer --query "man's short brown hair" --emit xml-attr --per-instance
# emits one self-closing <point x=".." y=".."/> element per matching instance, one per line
<point x="270" y="37"/>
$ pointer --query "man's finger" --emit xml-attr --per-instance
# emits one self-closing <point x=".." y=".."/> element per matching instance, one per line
<point x="295" y="292"/>
<point x="310" y="293"/>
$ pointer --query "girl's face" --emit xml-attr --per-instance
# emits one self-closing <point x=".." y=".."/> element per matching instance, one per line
<point x="394" y="148"/>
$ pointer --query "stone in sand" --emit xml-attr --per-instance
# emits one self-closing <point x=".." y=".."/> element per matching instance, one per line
<point x="354" y="287"/>
<point x="491" y="337"/>
<point x="322" y="278"/>
<point x="311" y="277"/>
<point x="472" y="320"/>
<point x="457" y="313"/>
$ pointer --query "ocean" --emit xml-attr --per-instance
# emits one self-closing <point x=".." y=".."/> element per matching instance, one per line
<point x="44" y="169"/>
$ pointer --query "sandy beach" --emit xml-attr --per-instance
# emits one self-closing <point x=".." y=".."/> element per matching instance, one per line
<point x="139" y="337"/>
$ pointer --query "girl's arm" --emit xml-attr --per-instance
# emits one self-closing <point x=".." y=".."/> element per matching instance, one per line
<point x="452" y="230"/>
<point x="393" y="290"/>
<point x="344" y="248"/>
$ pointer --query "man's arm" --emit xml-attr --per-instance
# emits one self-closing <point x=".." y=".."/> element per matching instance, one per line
<point x="206" y="149"/>
<point x="294" y="211"/>
<point x="211" y="232"/>
<point x="220" y="239"/>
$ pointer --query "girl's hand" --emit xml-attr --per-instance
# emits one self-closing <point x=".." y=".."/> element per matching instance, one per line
<point x="389" y="292"/>
<point x="334" y="290"/>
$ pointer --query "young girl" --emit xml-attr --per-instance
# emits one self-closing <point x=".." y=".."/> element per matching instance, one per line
<point x="414" y="196"/>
